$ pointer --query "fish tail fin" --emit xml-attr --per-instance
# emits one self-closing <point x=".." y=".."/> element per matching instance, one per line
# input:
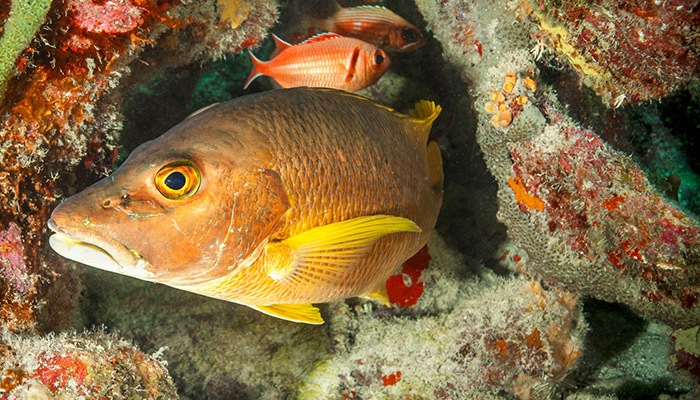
<point x="256" y="72"/>
<point x="319" y="13"/>
<point x="426" y="112"/>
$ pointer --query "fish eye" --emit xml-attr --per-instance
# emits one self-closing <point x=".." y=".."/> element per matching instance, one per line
<point x="178" y="180"/>
<point x="378" y="57"/>
<point x="409" y="35"/>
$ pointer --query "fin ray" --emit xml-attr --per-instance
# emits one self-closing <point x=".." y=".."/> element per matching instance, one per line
<point x="257" y="64"/>
<point x="322" y="256"/>
<point x="425" y="111"/>
<point x="305" y="313"/>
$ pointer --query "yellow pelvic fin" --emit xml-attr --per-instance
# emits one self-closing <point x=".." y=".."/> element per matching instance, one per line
<point x="305" y="313"/>
<point x="380" y="295"/>
<point x="435" y="174"/>
<point x="321" y="257"/>
<point x="425" y="112"/>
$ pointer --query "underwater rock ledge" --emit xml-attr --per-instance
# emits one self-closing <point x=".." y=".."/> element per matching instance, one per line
<point x="587" y="216"/>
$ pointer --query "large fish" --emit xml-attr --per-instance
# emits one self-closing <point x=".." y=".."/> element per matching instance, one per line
<point x="275" y="201"/>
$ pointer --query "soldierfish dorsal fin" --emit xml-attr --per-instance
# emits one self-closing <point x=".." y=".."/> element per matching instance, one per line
<point x="321" y="37"/>
<point x="321" y="257"/>
<point x="374" y="7"/>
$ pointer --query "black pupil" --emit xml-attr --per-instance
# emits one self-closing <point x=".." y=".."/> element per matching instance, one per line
<point x="378" y="58"/>
<point x="409" y="35"/>
<point x="175" y="181"/>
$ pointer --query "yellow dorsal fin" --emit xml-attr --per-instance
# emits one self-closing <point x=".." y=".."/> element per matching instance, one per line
<point x="425" y="112"/>
<point x="320" y="258"/>
<point x="305" y="313"/>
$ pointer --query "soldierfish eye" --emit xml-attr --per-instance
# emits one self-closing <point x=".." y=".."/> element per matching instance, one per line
<point x="378" y="58"/>
<point x="178" y="180"/>
<point x="409" y="35"/>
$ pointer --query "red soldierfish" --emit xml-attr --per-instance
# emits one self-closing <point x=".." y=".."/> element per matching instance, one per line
<point x="373" y="24"/>
<point x="326" y="60"/>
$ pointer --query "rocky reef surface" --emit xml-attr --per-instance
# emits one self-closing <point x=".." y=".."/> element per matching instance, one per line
<point x="566" y="260"/>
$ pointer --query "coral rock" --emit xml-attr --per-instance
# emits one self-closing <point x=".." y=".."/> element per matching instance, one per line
<point x="587" y="216"/>
<point x="624" y="50"/>
<point x="89" y="365"/>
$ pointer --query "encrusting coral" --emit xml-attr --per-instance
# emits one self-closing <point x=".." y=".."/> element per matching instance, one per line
<point x="463" y="339"/>
<point x="587" y="216"/>
<point x="59" y="117"/>
<point x="627" y="51"/>
<point x="88" y="365"/>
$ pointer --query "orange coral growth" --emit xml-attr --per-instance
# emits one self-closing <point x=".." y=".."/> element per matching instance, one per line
<point x="510" y="83"/>
<point x="533" y="339"/>
<point x="530" y="83"/>
<point x="391" y="379"/>
<point x="523" y="198"/>
<point x="502" y="347"/>
<point x="613" y="202"/>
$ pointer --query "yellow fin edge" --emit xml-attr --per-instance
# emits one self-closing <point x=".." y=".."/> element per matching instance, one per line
<point x="426" y="112"/>
<point x="322" y="256"/>
<point x="304" y="313"/>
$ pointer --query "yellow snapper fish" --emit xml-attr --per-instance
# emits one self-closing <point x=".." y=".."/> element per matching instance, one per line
<point x="274" y="201"/>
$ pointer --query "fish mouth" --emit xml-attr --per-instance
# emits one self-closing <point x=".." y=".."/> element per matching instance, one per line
<point x="96" y="250"/>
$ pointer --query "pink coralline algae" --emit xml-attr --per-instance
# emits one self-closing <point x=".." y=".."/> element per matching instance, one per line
<point x="113" y="16"/>
<point x="60" y="112"/>
<point x="12" y="266"/>
<point x="615" y="227"/>
<point x="627" y="51"/>
<point x="586" y="215"/>
<point x="90" y="365"/>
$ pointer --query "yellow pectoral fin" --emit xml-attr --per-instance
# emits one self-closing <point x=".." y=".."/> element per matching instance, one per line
<point x="305" y="313"/>
<point x="322" y="255"/>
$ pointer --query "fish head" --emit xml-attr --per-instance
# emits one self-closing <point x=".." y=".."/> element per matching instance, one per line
<point x="181" y="210"/>
<point x="405" y="37"/>
<point x="375" y="62"/>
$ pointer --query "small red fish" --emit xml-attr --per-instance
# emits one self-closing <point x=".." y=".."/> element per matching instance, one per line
<point x="326" y="60"/>
<point x="373" y="24"/>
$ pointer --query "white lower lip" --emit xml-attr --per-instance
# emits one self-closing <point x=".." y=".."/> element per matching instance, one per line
<point x="91" y="252"/>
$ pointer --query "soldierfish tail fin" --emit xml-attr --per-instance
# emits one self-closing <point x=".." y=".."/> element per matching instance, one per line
<point x="426" y="112"/>
<point x="256" y="72"/>
<point x="319" y="13"/>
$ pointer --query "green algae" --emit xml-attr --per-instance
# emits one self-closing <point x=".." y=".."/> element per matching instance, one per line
<point x="24" y="20"/>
